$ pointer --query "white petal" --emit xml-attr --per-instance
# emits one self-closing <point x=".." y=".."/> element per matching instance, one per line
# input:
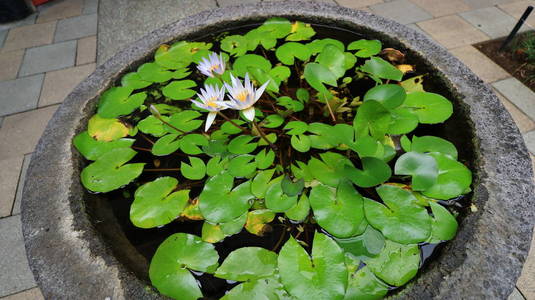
<point x="260" y="90"/>
<point x="249" y="113"/>
<point x="209" y="120"/>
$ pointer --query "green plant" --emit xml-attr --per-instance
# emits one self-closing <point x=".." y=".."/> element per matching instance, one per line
<point x="315" y="137"/>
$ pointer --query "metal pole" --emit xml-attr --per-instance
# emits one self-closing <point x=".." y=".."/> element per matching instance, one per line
<point x="519" y="24"/>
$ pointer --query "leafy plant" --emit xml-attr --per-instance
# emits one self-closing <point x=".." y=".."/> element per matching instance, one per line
<point x="309" y="143"/>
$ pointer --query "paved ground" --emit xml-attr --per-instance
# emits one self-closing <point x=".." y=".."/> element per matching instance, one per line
<point x="44" y="56"/>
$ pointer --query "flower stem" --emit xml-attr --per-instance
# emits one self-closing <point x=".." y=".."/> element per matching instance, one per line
<point x="264" y="137"/>
<point x="330" y="109"/>
<point x="157" y="116"/>
<point x="232" y="122"/>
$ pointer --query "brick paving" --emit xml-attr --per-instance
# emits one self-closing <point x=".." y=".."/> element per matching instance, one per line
<point x="44" y="56"/>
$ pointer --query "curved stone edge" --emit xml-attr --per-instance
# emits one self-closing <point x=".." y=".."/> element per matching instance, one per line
<point x="485" y="266"/>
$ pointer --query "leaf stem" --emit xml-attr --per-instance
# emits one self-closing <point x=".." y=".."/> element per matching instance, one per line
<point x="232" y="122"/>
<point x="157" y="116"/>
<point x="283" y="234"/>
<point x="264" y="137"/>
<point x="330" y="109"/>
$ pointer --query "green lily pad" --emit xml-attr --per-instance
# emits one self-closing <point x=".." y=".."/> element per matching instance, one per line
<point x="366" y="48"/>
<point x="235" y="45"/>
<point x="219" y="203"/>
<point x="106" y="130"/>
<point x="92" y="149"/>
<point x="444" y="226"/>
<point x="366" y="146"/>
<point x="287" y="52"/>
<point x="154" y="73"/>
<point x="382" y="69"/>
<point x="216" y="165"/>
<point x="262" y="77"/>
<point x="261" y="182"/>
<point x="156" y="204"/>
<point x="277" y="200"/>
<point x="367" y="245"/>
<point x="374" y="171"/>
<point x="276" y="27"/>
<point x="242" y="64"/>
<point x="330" y="169"/>
<point x="185" y="120"/>
<point x="169" y="266"/>
<point x="153" y="126"/>
<point x="213" y="233"/>
<point x="372" y="119"/>
<point x="300" y="31"/>
<point x="262" y="289"/>
<point x="242" y="145"/>
<point x="429" y="107"/>
<point x="302" y="95"/>
<point x="292" y="187"/>
<point x="227" y="127"/>
<point x="414" y="84"/>
<point x="264" y="159"/>
<point x="257" y="37"/>
<point x="248" y="263"/>
<point x="433" y="144"/>
<point x="338" y="210"/>
<point x="317" y="45"/>
<point x="196" y="170"/>
<point x="301" y="170"/>
<point x="296" y="127"/>
<point x="333" y="59"/>
<point x="257" y="221"/>
<point x="118" y="101"/>
<point x="290" y="104"/>
<point x="300" y="142"/>
<point x="453" y="180"/>
<point x="401" y="220"/>
<point x="396" y="264"/>
<point x="300" y="210"/>
<point x="322" y="277"/>
<point x="389" y="95"/>
<point x="403" y="121"/>
<point x="110" y="171"/>
<point x="316" y="75"/>
<point x="191" y="143"/>
<point x="166" y="145"/>
<point x="133" y="80"/>
<point x="273" y="121"/>
<point x="422" y="167"/>
<point x="363" y="285"/>
<point x="179" y="90"/>
<point x="242" y="165"/>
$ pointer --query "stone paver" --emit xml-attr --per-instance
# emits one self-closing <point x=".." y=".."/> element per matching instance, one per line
<point x="517" y="93"/>
<point x="31" y="294"/>
<point x="516" y="295"/>
<point x="29" y="36"/>
<point x="9" y="176"/>
<point x="439" y="8"/>
<point x="3" y="34"/>
<point x="480" y="64"/>
<point x="523" y="122"/>
<point x="526" y="282"/>
<point x="20" y="186"/>
<point x="529" y="138"/>
<point x="516" y="9"/>
<point x="86" y="51"/>
<point x="491" y="20"/>
<point x="19" y="133"/>
<point x="358" y="3"/>
<point x="16" y="275"/>
<point x="20" y="94"/>
<point x="402" y="11"/>
<point x="90" y="7"/>
<point x="48" y="58"/>
<point x="475" y="4"/>
<point x="61" y="9"/>
<point x="77" y="27"/>
<point x="10" y="62"/>
<point x="452" y="31"/>
<point x="26" y="21"/>
<point x="58" y="84"/>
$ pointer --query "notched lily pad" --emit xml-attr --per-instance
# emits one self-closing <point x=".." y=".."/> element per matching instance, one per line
<point x="106" y="130"/>
<point x="248" y="263"/>
<point x="92" y="149"/>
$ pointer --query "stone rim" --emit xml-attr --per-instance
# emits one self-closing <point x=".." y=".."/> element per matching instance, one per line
<point x="70" y="259"/>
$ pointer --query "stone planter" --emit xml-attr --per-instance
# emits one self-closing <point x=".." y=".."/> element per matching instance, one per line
<point x="77" y="250"/>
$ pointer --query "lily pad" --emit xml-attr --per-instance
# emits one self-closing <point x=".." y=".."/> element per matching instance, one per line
<point x="154" y="73"/>
<point x="429" y="107"/>
<point x="374" y="171"/>
<point x="219" y="203"/>
<point x="264" y="159"/>
<point x="382" y="69"/>
<point x="453" y="180"/>
<point x="257" y="221"/>
<point x="372" y="119"/>
<point x="213" y="233"/>
<point x="242" y="64"/>
<point x="170" y="265"/>
<point x="156" y="203"/>
<point x="242" y="165"/>
<point x="389" y="95"/>
<point x="248" y="263"/>
<point x="92" y="149"/>
<point x="166" y="145"/>
<point x="300" y="142"/>
<point x="192" y="143"/>
<point x="296" y="127"/>
<point x="300" y="210"/>
<point x="261" y="182"/>
<point x="185" y="120"/>
<point x="316" y="75"/>
<point x="133" y="80"/>
<point x="262" y="289"/>
<point x="444" y="226"/>
<point x="367" y="245"/>
<point x="277" y="200"/>
<point x="216" y="165"/>
<point x="317" y="45"/>
<point x="338" y="210"/>
<point x="287" y="52"/>
<point x="330" y="169"/>
<point x="272" y="121"/>
<point x="153" y="126"/>
<point x="106" y="130"/>
<point x="322" y="277"/>
<point x="366" y="48"/>
<point x="110" y="171"/>
<point x="196" y="170"/>
<point x="276" y="27"/>
<point x="242" y="145"/>
<point x="235" y="45"/>
<point x="433" y="144"/>
<point x="333" y="59"/>
<point x="422" y="167"/>
<point x="396" y="264"/>
<point x="300" y="31"/>
<point x="118" y="101"/>
<point x="179" y="90"/>
<point x="363" y="285"/>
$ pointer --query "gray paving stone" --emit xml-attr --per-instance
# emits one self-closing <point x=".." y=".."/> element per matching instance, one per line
<point x="121" y="22"/>
<point x="16" y="275"/>
<point x="20" y="94"/>
<point x="517" y="93"/>
<point x="516" y="295"/>
<point x="90" y="7"/>
<point x="485" y="3"/>
<point x="529" y="139"/>
<point x="3" y="34"/>
<point x="20" y="186"/>
<point x="76" y="27"/>
<point x="26" y="21"/>
<point x="402" y="11"/>
<point x="491" y="20"/>
<point x="223" y="3"/>
<point x="48" y="58"/>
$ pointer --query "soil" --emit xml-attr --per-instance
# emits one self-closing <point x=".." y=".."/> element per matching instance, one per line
<point x="512" y="59"/>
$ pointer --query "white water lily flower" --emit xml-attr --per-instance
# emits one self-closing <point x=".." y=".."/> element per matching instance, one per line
<point x="213" y="64"/>
<point x="211" y="98"/>
<point x="243" y="96"/>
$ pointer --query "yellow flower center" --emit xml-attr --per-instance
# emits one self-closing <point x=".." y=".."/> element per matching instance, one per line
<point x="242" y="96"/>
<point x="214" y="67"/>
<point x="211" y="104"/>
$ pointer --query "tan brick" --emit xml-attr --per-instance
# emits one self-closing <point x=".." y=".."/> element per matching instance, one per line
<point x="516" y="9"/>
<point x="452" y="31"/>
<point x="87" y="50"/>
<point x="439" y="8"/>
<point x="32" y="294"/>
<point x="526" y="282"/>
<point x="485" y="68"/>
<point x="523" y="122"/>
<point x="60" y="10"/>
<point x="10" y="62"/>
<point x="358" y="3"/>
<point x="21" y="132"/>
<point x="9" y="177"/>
<point x="58" y="84"/>
<point x="29" y="36"/>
